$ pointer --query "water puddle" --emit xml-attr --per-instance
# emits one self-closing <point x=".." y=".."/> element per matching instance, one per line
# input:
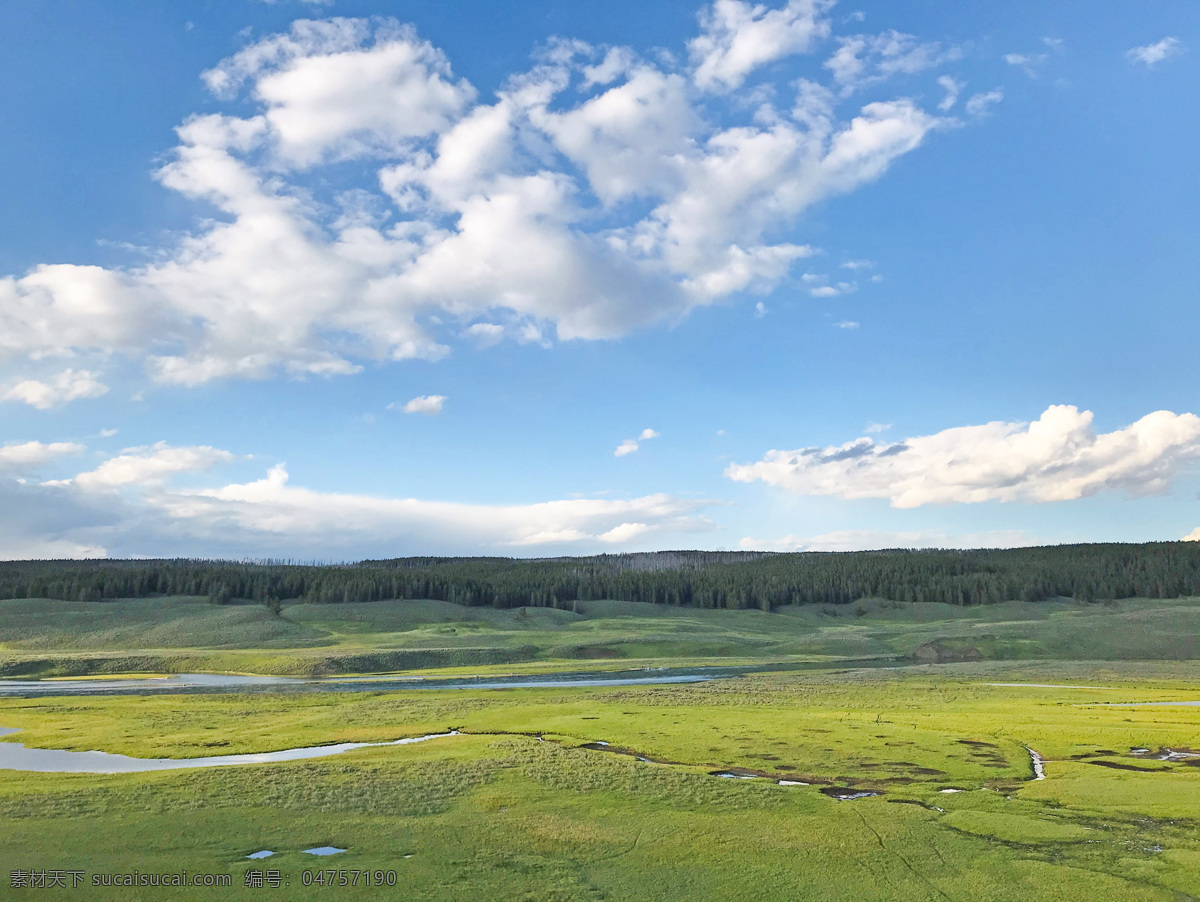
<point x="265" y="853"/>
<point x="324" y="850"/>
<point x="846" y="793"/>
<point x="793" y="783"/>
<point x="15" y="756"/>
<point x="1165" y="754"/>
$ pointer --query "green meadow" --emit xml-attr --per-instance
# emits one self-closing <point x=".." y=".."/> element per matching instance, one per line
<point x="526" y="804"/>
<point x="42" y="638"/>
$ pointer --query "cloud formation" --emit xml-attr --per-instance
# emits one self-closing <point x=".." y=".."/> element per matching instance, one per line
<point x="153" y="500"/>
<point x="69" y="385"/>
<point x="19" y="458"/>
<point x="430" y="405"/>
<point x="1153" y="54"/>
<point x="1193" y="536"/>
<point x="597" y="193"/>
<point x="629" y="445"/>
<point x="1058" y="457"/>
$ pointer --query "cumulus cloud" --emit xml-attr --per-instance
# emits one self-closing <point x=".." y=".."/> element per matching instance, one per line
<point x="596" y="193"/>
<point x="138" y="503"/>
<point x="19" y="458"/>
<point x="738" y="37"/>
<point x="149" y="466"/>
<point x="69" y="385"/>
<point x="1193" y="536"/>
<point x="1153" y="54"/>
<point x="1058" y="457"/>
<point x="430" y="405"/>
<point x="869" y="540"/>
<point x="632" y="444"/>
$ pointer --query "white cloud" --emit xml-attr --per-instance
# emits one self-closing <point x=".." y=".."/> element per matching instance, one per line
<point x="858" y="264"/>
<point x="69" y="385"/>
<point x="870" y="539"/>
<point x="486" y="334"/>
<point x="1056" y="458"/>
<point x="847" y="324"/>
<point x="632" y="444"/>
<point x="134" y="504"/>
<point x="430" y="405"/>
<point x="978" y="105"/>
<point x="736" y="38"/>
<point x="339" y="89"/>
<point x="863" y="59"/>
<point x="1153" y="54"/>
<point x="873" y="428"/>
<point x="1193" y="536"/>
<point x="953" y="87"/>
<point x="760" y="310"/>
<point x="503" y="219"/>
<point x="1029" y="63"/>
<point x="18" y="458"/>
<point x="626" y="447"/>
<point x="149" y="466"/>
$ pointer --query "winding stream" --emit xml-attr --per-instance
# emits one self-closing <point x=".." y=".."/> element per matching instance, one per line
<point x="15" y="756"/>
<point x="191" y="683"/>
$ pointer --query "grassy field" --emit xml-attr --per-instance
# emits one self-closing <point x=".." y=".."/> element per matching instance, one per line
<point x="58" y="638"/>
<point x="525" y="804"/>
<point x="499" y="813"/>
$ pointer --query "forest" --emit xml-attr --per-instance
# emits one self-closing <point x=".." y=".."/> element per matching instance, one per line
<point x="734" y="580"/>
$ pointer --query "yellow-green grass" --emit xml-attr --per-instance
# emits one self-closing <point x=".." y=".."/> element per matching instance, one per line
<point x="498" y="814"/>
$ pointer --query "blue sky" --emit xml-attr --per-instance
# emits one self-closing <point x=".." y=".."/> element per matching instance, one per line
<point x="358" y="279"/>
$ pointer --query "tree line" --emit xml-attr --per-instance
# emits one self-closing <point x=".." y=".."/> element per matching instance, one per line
<point x="701" y="579"/>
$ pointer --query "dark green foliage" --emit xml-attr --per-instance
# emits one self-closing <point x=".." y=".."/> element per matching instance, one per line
<point x="734" y="580"/>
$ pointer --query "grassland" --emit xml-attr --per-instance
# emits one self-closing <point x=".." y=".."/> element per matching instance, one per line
<point x="519" y="807"/>
<point x="57" y="638"/>
<point x="499" y="813"/>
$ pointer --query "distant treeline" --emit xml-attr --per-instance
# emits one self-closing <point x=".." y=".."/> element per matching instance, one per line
<point x="701" y="579"/>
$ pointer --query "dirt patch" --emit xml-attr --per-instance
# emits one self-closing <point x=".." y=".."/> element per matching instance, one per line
<point x="594" y="653"/>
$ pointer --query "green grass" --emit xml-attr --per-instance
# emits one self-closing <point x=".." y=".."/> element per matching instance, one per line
<point x="58" y="638"/>
<point x="497" y="814"/>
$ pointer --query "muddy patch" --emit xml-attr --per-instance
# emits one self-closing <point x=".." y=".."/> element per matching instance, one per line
<point x="1116" y="765"/>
